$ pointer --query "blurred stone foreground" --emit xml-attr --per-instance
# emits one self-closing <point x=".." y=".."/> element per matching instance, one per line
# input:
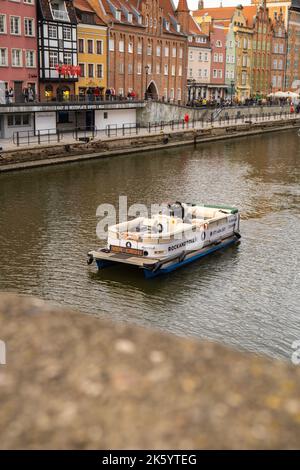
<point x="74" y="381"/>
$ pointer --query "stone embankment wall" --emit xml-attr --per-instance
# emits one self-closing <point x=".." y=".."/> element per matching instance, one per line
<point x="55" y="154"/>
<point x="157" y="112"/>
<point x="72" y="381"/>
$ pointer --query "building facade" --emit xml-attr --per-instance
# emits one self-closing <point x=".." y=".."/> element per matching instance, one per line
<point x="92" y="51"/>
<point x="57" y="36"/>
<point x="261" y="63"/>
<point x="147" y="49"/>
<point x="292" y="73"/>
<point x="243" y="19"/>
<point x="18" y="48"/>
<point x="278" y="57"/>
<point x="218" y="88"/>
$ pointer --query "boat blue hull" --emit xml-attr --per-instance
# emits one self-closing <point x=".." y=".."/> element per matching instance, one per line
<point x="151" y="274"/>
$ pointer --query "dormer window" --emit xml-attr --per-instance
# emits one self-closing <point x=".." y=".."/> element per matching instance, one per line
<point x="178" y="28"/>
<point x="190" y="38"/>
<point x="118" y="15"/>
<point x="167" y="26"/>
<point x="140" y="20"/>
<point x="129" y="17"/>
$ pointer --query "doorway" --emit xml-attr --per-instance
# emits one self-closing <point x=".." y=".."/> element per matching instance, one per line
<point x="152" y="92"/>
<point x="90" y="119"/>
<point x="18" y="92"/>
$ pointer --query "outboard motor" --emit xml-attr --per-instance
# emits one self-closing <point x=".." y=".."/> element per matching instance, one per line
<point x="178" y="210"/>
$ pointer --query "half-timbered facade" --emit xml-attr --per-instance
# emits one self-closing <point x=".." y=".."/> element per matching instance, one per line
<point x="57" y="36"/>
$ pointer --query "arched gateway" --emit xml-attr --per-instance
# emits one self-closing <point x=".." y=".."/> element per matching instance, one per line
<point x="152" y="92"/>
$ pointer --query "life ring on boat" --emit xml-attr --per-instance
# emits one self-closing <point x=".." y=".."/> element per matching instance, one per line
<point x="160" y="228"/>
<point x="203" y="236"/>
<point x="128" y="245"/>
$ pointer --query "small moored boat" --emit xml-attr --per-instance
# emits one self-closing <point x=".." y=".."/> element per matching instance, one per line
<point x="177" y="235"/>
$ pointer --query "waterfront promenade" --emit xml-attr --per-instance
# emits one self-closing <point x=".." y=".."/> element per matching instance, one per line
<point x="47" y="149"/>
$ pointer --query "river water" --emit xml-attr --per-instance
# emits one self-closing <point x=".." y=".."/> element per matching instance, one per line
<point x="246" y="296"/>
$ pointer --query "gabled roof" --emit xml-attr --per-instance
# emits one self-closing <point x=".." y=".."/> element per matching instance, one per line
<point x="221" y="13"/>
<point x="249" y="13"/>
<point x="89" y="7"/>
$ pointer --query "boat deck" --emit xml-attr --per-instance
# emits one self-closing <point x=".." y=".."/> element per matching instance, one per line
<point x="158" y="263"/>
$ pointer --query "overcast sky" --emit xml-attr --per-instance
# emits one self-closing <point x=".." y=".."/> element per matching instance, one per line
<point x="193" y="4"/>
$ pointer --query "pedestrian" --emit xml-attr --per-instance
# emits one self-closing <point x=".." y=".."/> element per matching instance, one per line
<point x="186" y="119"/>
<point x="6" y="96"/>
<point x="11" y="95"/>
<point x="25" y="95"/>
<point x="30" y="94"/>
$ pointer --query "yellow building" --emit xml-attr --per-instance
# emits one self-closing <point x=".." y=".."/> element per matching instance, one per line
<point x="276" y="7"/>
<point x="92" y="49"/>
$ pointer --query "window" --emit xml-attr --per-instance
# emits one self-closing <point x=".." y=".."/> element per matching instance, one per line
<point x="29" y="2"/>
<point x="179" y="94"/>
<point x="205" y="73"/>
<point x="81" y="46"/>
<point x="166" y="68"/>
<point x="140" y="47"/>
<point x="121" y="68"/>
<point x="173" y="70"/>
<point x="180" y="71"/>
<point x="100" y="70"/>
<point x="130" y="69"/>
<point x="200" y="73"/>
<point x="52" y="32"/>
<point x="215" y="73"/>
<point x="111" y="45"/>
<point x="53" y="59"/>
<point x="166" y="51"/>
<point x="15" y="25"/>
<point x="129" y="17"/>
<point x="191" y="55"/>
<point x="91" y="70"/>
<point x="149" y="68"/>
<point x="16" y="57"/>
<point x="180" y="53"/>
<point x="121" y="46"/>
<point x="245" y="43"/>
<point x="218" y="43"/>
<point x="220" y="73"/>
<point x="3" y="57"/>
<point x="149" y="49"/>
<point x="118" y="15"/>
<point x="158" y="69"/>
<point x="82" y="70"/>
<point x="281" y="51"/>
<point x="139" y="68"/>
<point x="90" y="45"/>
<point x="221" y="58"/>
<point x="191" y="73"/>
<point x="30" y="58"/>
<point x="174" y="52"/>
<point x="68" y="58"/>
<point x="67" y="33"/>
<point x="275" y="64"/>
<point x="29" y="26"/>
<point x="130" y="47"/>
<point x="18" y="120"/>
<point x="244" y="78"/>
<point x="2" y="24"/>
<point x="166" y="93"/>
<point x="216" y="57"/>
<point x="206" y="57"/>
<point x="158" y="51"/>
<point x="172" y="95"/>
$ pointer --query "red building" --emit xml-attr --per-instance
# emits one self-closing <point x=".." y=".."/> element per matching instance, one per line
<point x="18" y="48"/>
<point x="218" y="60"/>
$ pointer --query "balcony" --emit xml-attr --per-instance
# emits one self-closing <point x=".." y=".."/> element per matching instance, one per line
<point x="60" y="15"/>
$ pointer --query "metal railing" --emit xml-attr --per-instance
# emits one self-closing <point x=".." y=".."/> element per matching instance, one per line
<point x="36" y="137"/>
<point x="85" y="133"/>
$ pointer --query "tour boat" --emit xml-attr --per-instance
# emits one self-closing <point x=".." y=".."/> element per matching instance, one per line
<point x="175" y="236"/>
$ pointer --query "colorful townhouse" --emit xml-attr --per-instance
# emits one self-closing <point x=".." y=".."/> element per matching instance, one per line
<point x="57" y="39"/>
<point x="18" y="49"/>
<point x="278" y="55"/>
<point x="218" y="87"/>
<point x="292" y="77"/>
<point x="261" y="63"/>
<point x="242" y="20"/>
<point x="230" y="62"/>
<point x="92" y="49"/>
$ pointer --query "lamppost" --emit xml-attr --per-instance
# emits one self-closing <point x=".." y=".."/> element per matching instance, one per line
<point x="147" y="68"/>
<point x="232" y="87"/>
